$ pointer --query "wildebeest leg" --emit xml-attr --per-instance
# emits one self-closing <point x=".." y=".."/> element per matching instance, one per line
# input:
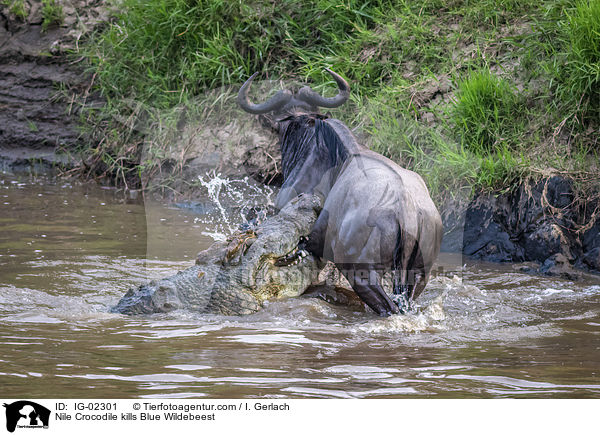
<point x="410" y="274"/>
<point x="404" y="291"/>
<point x="366" y="282"/>
<point x="316" y="239"/>
<point x="385" y="220"/>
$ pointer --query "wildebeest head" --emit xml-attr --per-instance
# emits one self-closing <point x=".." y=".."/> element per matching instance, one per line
<point x="286" y="103"/>
<point x="308" y="149"/>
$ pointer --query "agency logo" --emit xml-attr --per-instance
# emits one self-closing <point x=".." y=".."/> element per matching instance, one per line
<point x="25" y="414"/>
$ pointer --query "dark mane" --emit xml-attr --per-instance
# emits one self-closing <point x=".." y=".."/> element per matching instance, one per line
<point x="306" y="134"/>
<point x="329" y="138"/>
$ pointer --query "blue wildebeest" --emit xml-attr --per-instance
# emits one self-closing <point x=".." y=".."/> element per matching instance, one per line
<point x="376" y="217"/>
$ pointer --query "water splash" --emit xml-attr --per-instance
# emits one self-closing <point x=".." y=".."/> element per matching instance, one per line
<point x="430" y="318"/>
<point x="214" y="186"/>
<point x="237" y="202"/>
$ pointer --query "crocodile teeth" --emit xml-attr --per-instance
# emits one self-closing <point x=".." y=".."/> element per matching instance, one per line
<point x="295" y="257"/>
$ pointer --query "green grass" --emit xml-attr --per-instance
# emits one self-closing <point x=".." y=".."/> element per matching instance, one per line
<point x="52" y="13"/>
<point x="580" y="75"/>
<point x="487" y="114"/>
<point x="163" y="52"/>
<point x="16" y="7"/>
<point x="522" y="74"/>
<point x="445" y="166"/>
<point x="449" y="168"/>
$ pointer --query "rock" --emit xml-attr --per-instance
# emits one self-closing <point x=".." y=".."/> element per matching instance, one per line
<point x="453" y="216"/>
<point x="486" y="236"/>
<point x="591" y="238"/>
<point x="32" y="117"/>
<point x="35" y="13"/>
<point x="547" y="238"/>
<point x="528" y="267"/>
<point x="559" y="265"/>
<point x="558" y="192"/>
<point x="592" y="259"/>
<point x="590" y="242"/>
<point x="534" y="222"/>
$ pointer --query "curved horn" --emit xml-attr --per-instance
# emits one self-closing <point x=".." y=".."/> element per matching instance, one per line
<point x="275" y="102"/>
<point x="311" y="97"/>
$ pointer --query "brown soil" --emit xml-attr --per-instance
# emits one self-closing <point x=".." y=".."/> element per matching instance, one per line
<point x="38" y="80"/>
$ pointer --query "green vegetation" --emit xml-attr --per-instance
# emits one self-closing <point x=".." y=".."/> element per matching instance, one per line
<point x="487" y="112"/>
<point x="468" y="93"/>
<point x="52" y="13"/>
<point x="16" y="7"/>
<point x="32" y="125"/>
<point x="580" y="84"/>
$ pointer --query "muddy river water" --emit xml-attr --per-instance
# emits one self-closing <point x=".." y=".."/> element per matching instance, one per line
<point x="69" y="251"/>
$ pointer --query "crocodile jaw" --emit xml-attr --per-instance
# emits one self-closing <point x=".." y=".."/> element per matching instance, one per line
<point x="271" y="281"/>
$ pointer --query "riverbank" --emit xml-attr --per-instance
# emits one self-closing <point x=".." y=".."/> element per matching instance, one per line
<point x="487" y="102"/>
<point x="40" y="81"/>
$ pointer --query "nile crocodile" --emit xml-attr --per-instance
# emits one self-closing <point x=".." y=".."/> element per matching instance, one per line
<point x="237" y="276"/>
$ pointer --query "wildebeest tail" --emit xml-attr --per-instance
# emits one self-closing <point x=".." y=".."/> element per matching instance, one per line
<point x="405" y="271"/>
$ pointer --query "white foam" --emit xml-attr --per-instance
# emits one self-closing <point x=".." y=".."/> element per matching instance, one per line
<point x="552" y="291"/>
<point x="428" y="319"/>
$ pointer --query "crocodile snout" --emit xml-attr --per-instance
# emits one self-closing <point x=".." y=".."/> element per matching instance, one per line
<point x="166" y="298"/>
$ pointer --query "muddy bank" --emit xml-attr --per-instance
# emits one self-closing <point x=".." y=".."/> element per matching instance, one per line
<point x="39" y="83"/>
<point x="539" y="222"/>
